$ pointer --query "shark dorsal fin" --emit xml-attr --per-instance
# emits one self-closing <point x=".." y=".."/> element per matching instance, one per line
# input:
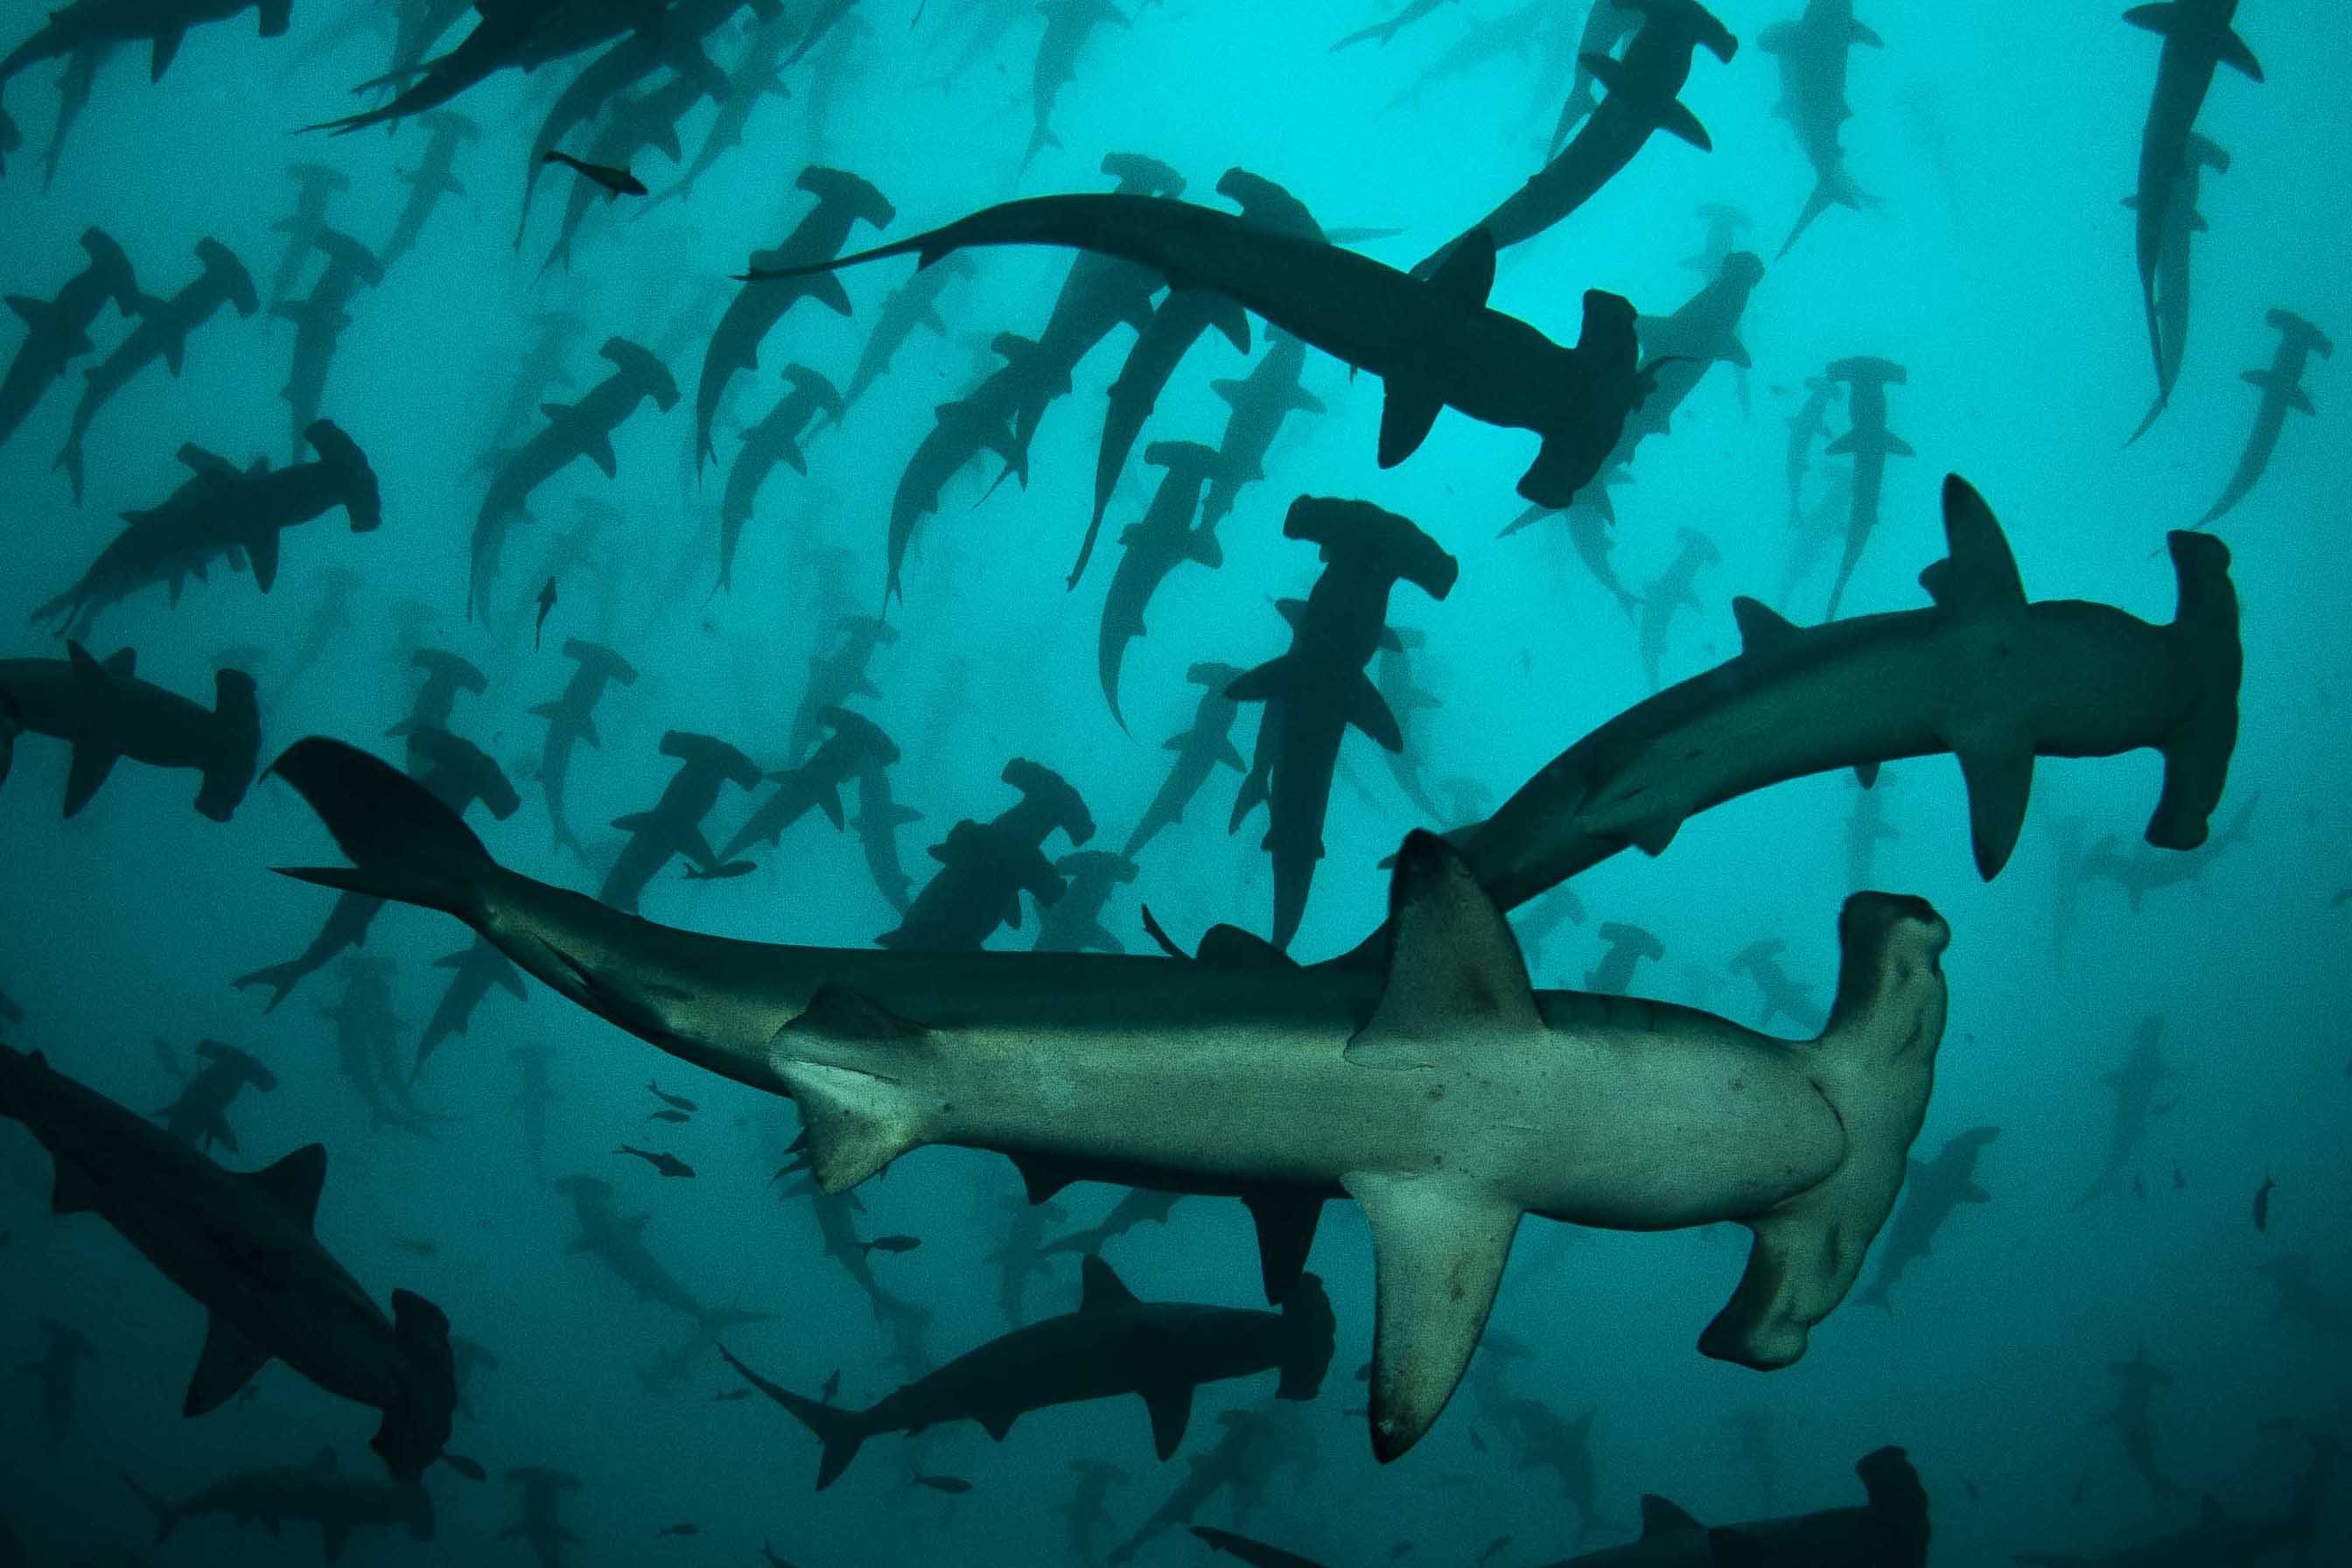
<point x="1761" y="628"/>
<point x="1660" y="1517"/>
<point x="1234" y="947"/>
<point x="1100" y="1289"/>
<point x="1979" y="576"/>
<point x="1453" y="965"/>
<point x="296" y="1181"/>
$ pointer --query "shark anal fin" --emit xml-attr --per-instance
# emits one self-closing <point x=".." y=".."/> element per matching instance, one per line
<point x="229" y="1363"/>
<point x="1439" y="1245"/>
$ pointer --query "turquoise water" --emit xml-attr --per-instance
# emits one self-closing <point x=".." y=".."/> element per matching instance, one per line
<point x="1993" y="260"/>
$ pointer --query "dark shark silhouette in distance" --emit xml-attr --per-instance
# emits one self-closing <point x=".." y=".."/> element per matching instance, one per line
<point x="877" y="823"/>
<point x="843" y="201"/>
<point x="320" y="1494"/>
<point x="1628" y="945"/>
<point x="572" y="721"/>
<point x="475" y="972"/>
<point x="1069" y="24"/>
<point x="1242" y="1462"/>
<point x="672" y="826"/>
<point x="2183" y="223"/>
<point x="505" y="37"/>
<point x="533" y="1097"/>
<point x="161" y="25"/>
<point x="1643" y="97"/>
<point x="2063" y="678"/>
<point x="2221" y="1536"/>
<point x="774" y="439"/>
<point x="198" y="1114"/>
<point x="434" y="177"/>
<point x="318" y="323"/>
<point x="105" y="712"/>
<point x="1869" y="443"/>
<point x="223" y="511"/>
<point x="1813" y="52"/>
<point x="1935" y="1190"/>
<point x="1257" y="406"/>
<point x="56" y="1369"/>
<point x="315" y="187"/>
<point x="1073" y="922"/>
<point x="75" y="84"/>
<point x="548" y="1537"/>
<point x="2198" y="40"/>
<point x="914" y="303"/>
<point x="984" y="867"/>
<point x="2134" y="1084"/>
<point x="573" y="431"/>
<point x="2283" y="392"/>
<point x="1607" y="25"/>
<point x="447" y="675"/>
<point x="162" y="333"/>
<point x="1319" y="689"/>
<point x="241" y="1247"/>
<point x="618" y="1242"/>
<point x="1151" y="547"/>
<point x="57" y="331"/>
<point x="1113" y="1344"/>
<point x="1434" y="343"/>
<point x="1256" y="1553"/>
<point x="2140" y="871"/>
<point x="1195" y="1086"/>
<point x="2139" y="1380"/>
<point x="1205" y="746"/>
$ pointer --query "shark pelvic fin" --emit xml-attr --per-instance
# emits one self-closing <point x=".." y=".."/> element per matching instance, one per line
<point x="1761" y="630"/>
<point x="1439" y="1245"/>
<point x="1660" y="1517"/>
<point x="1454" y="968"/>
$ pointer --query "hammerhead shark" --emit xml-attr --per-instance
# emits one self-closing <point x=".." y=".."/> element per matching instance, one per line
<point x="1813" y="52"/>
<point x="2134" y="1084"/>
<point x="1807" y="426"/>
<point x="533" y="1097"/>
<point x="474" y="972"/>
<point x="57" y="331"/>
<point x="222" y="510"/>
<point x="855" y="744"/>
<point x="1087" y="1511"/>
<point x="1870" y="443"/>
<point x="774" y="439"/>
<point x="1393" y="678"/>
<point x="160" y="24"/>
<point x="1607" y="25"/>
<point x="2219" y="1535"/>
<point x="315" y="187"/>
<point x="320" y="1494"/>
<point x="2183" y="223"/>
<point x="75" y="84"/>
<point x="198" y="1114"/>
<point x="572" y="720"/>
<point x="914" y="303"/>
<point x="2140" y="872"/>
<point x="876" y="825"/>
<point x="1434" y="341"/>
<point x="242" y="1246"/>
<point x="843" y="200"/>
<point x="433" y="177"/>
<point x="318" y="322"/>
<point x="618" y="1242"/>
<point x="984" y="867"/>
<point x="1069" y="24"/>
<point x="1643" y="96"/>
<point x="2283" y="392"/>
<point x="758" y="74"/>
<point x="1205" y="745"/>
<point x="1225" y="1076"/>
<point x="1672" y="590"/>
<point x="368" y="1032"/>
<point x="2134" y="1418"/>
<point x="838" y="677"/>
<point x="162" y="333"/>
<point x="446" y="676"/>
<point x="1073" y="922"/>
<point x="1983" y="674"/>
<point x="1382" y="31"/>
<point x="539" y="370"/>
<point x="1318" y="690"/>
<point x="573" y="431"/>
<point x="1935" y="1189"/>
<point x="1151" y="547"/>
<point x="546" y="1536"/>
<point x="1258" y="405"/>
<point x="105" y="712"/>
<point x="2198" y="39"/>
<point x="1628" y="945"/>
<point x="1783" y="996"/>
<point x="1889" y="1531"/>
<point x="672" y="825"/>
<point x="1136" y="1206"/>
<point x="59" y="1360"/>
<point x="1113" y="1344"/>
<point x="506" y="37"/>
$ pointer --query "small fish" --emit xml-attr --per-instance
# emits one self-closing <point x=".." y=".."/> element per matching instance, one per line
<point x="668" y="1164"/>
<point x="2179" y="1181"/>
<point x="675" y="1101"/>
<point x="954" y="1486"/>
<point x="726" y="873"/>
<point x="418" y="1247"/>
<point x="617" y="183"/>
<point x="2263" y="1203"/>
<point x="2080" y="1487"/>
<point x="677" y="1529"/>
<point x="672" y="1117"/>
<point x="832" y="1386"/>
<point x="1970" y="1487"/>
<point x="2139" y="1186"/>
<point x="1494" y="1549"/>
<point x="728" y="1396"/>
<point x="546" y="603"/>
<point x="768" y="1552"/>
<point x="1478" y="1444"/>
<point x="1401" y="1550"/>
<point x="890" y="1244"/>
<point x="469" y="1469"/>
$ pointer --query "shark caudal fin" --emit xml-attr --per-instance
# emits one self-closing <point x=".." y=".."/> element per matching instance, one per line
<point x="1875" y="1064"/>
<point x="1310" y="1332"/>
<point x="2196" y="753"/>
<point x="843" y="1060"/>
<point x="840" y="1432"/>
<point x="404" y="845"/>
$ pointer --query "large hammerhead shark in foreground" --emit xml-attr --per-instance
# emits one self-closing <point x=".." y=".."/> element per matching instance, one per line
<point x="1437" y="1097"/>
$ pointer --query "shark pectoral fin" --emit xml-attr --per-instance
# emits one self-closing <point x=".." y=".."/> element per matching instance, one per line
<point x="1894" y="446"/>
<point x="1100" y="1289"/>
<point x="1660" y="1517"/>
<point x="167" y="47"/>
<point x="1973" y="1194"/>
<point x="1274" y="680"/>
<point x="175" y="352"/>
<point x="827" y="289"/>
<point x="1761" y="630"/>
<point x="597" y="448"/>
<point x="1286" y="1219"/>
<point x="1292" y="610"/>
<point x="261" y="553"/>
<point x="1866" y="37"/>
<point x="1228" y="316"/>
<point x="1866" y="775"/>
<point x="1677" y="119"/>
<point x="92" y="761"/>
<point x="229" y="1363"/>
<point x="294" y="1183"/>
<point x="1439" y="1245"/>
<point x="1367" y="710"/>
<point x="1169" y="1403"/>
<point x="334" y="1534"/>
<point x="1998" y="769"/>
<point x="828" y="801"/>
<point x="2300" y="401"/>
<point x="1230" y="756"/>
<point x="2236" y="54"/>
<point x="1406" y="418"/>
<point x="2160" y="18"/>
<point x="841" y="1059"/>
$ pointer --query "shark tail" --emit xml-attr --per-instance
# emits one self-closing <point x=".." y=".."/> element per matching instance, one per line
<point x="405" y="846"/>
<point x="167" y="1518"/>
<point x="840" y="1432"/>
<point x="1874" y="1063"/>
<point x="2196" y="753"/>
<point x="1834" y="189"/>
